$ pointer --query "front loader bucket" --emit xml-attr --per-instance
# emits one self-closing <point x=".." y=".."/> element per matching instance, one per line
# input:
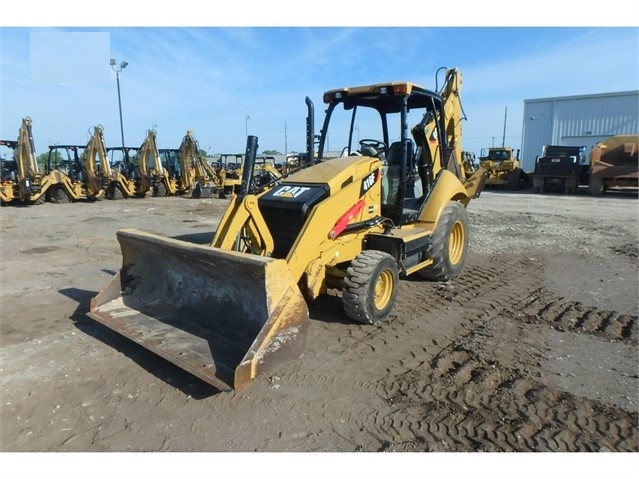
<point x="224" y="316"/>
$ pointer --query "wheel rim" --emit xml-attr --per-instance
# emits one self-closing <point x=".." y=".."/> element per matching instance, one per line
<point x="456" y="242"/>
<point x="383" y="289"/>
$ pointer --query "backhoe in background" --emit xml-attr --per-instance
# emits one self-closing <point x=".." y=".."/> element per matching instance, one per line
<point x="162" y="182"/>
<point x="504" y="168"/>
<point x="129" y="178"/>
<point x="393" y="206"/>
<point x="292" y="162"/>
<point x="265" y="173"/>
<point x="229" y="169"/>
<point x="198" y="179"/>
<point x="21" y="181"/>
<point x="84" y="175"/>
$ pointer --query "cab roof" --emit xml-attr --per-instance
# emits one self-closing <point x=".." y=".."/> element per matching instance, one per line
<point x="385" y="97"/>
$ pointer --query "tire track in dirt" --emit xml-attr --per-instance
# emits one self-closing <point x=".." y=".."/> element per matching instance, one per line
<point x="425" y="319"/>
<point x="475" y="402"/>
<point x="542" y="307"/>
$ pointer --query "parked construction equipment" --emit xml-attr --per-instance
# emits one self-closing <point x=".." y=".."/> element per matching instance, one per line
<point x="21" y="181"/>
<point x="129" y="178"/>
<point x="504" y="168"/>
<point x="613" y="164"/>
<point x="229" y="169"/>
<point x="83" y="176"/>
<point x="162" y="183"/>
<point x="198" y="178"/>
<point x="560" y="169"/>
<point x="237" y="309"/>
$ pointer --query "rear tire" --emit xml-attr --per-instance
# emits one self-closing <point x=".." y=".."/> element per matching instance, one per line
<point x="449" y="244"/>
<point x="114" y="192"/>
<point x="160" y="190"/>
<point x="59" y="195"/>
<point x="369" y="290"/>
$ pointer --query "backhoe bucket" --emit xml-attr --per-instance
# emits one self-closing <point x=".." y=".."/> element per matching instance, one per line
<point x="224" y="316"/>
<point x="201" y="191"/>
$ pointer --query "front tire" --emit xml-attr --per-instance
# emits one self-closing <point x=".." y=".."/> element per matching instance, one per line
<point x="370" y="287"/>
<point x="449" y="244"/>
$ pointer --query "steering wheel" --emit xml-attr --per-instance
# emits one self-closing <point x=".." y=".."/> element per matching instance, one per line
<point x="373" y="146"/>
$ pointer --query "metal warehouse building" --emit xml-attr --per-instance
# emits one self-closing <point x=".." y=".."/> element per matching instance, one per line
<point x="581" y="120"/>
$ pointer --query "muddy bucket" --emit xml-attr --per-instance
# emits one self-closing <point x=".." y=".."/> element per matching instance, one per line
<point x="201" y="191"/>
<point x="225" y="317"/>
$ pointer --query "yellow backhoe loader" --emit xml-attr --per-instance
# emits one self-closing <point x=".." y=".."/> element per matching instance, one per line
<point x="265" y="173"/>
<point x="162" y="182"/>
<point x="146" y="174"/>
<point x="21" y="180"/>
<point x="83" y="176"/>
<point x="237" y="309"/>
<point x="198" y="177"/>
<point x="129" y="177"/>
<point x="229" y="169"/>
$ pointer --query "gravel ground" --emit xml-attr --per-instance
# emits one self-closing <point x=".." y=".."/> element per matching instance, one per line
<point x="532" y="349"/>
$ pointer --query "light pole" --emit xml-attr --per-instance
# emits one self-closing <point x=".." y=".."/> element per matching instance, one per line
<point x="246" y="124"/>
<point x="117" y="71"/>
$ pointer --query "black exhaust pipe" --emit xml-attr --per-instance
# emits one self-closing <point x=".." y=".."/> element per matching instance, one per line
<point x="249" y="165"/>
<point x="310" y="131"/>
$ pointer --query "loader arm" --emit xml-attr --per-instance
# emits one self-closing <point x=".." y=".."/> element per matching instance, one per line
<point x="243" y="228"/>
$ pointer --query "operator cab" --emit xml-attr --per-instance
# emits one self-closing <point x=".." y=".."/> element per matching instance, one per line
<point x="381" y="115"/>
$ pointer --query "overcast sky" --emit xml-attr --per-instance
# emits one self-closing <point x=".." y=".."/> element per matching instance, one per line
<point x="211" y="78"/>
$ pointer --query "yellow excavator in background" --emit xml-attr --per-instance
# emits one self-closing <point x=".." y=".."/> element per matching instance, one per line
<point x="504" y="168"/>
<point x="237" y="309"/>
<point x="84" y="177"/>
<point x="21" y="180"/>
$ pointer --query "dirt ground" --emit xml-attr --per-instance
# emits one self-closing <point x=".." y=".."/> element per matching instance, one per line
<point x="533" y="348"/>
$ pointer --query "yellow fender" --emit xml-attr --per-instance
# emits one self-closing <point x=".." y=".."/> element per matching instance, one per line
<point x="447" y="188"/>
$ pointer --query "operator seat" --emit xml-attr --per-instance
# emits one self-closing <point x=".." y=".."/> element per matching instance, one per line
<point x="392" y="174"/>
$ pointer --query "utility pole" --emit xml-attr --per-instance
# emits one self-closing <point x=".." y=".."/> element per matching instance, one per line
<point x="503" y="140"/>
<point x="285" y="139"/>
<point x="117" y="70"/>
